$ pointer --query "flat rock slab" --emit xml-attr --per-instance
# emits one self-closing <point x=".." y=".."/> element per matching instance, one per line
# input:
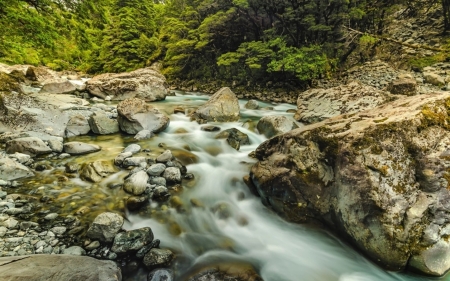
<point x="77" y="148"/>
<point x="28" y="145"/>
<point x="57" y="268"/>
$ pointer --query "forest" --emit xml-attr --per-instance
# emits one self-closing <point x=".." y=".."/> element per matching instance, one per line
<point x="244" y="41"/>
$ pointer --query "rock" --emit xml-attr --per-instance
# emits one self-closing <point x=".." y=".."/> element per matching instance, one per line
<point x="156" y="169"/>
<point x="135" y="203"/>
<point x="366" y="175"/>
<point x="132" y="240"/>
<point x="102" y="125"/>
<point x="105" y="227"/>
<point x="158" y="258"/>
<point x="210" y="128"/>
<point x="316" y="105"/>
<point x="21" y="158"/>
<point x="40" y="74"/>
<point x="133" y="148"/>
<point x="403" y="86"/>
<point x="145" y="83"/>
<point x="226" y="271"/>
<point x="77" y="125"/>
<point x="29" y="145"/>
<point x="172" y="175"/>
<point x="161" y="193"/>
<point x="72" y="167"/>
<point x="97" y="170"/>
<point x="57" y="268"/>
<point x="143" y="135"/>
<point x="58" y="86"/>
<point x="235" y="138"/>
<point x="165" y="156"/>
<point x="135" y="115"/>
<point x="274" y="125"/>
<point x="11" y="170"/>
<point x="160" y="274"/>
<point x="74" y="250"/>
<point x="121" y="157"/>
<point x="78" y="148"/>
<point x="55" y="145"/>
<point x="51" y="216"/>
<point x="252" y="104"/>
<point x="433" y="79"/>
<point x="223" y="106"/>
<point x="136" y="184"/>
<point x="158" y="181"/>
<point x="140" y="161"/>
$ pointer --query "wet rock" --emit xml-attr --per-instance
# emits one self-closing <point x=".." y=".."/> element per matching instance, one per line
<point x="235" y="138"/>
<point x="161" y="193"/>
<point x="135" y="115"/>
<point x="403" y="86"/>
<point x="72" y="167"/>
<point x="223" y="106"/>
<point x="158" y="181"/>
<point x="160" y="275"/>
<point x="274" y="125"/>
<point x="158" y="258"/>
<point x="121" y="157"/>
<point x="136" y="202"/>
<point x="132" y="240"/>
<point x="78" y="148"/>
<point x="28" y="145"/>
<point x="210" y="128"/>
<point x="226" y="271"/>
<point x="172" y="175"/>
<point x="143" y="135"/>
<point x="58" y="86"/>
<point x="164" y="157"/>
<point x="252" y="104"/>
<point x="75" y="251"/>
<point x="364" y="175"/>
<point x="12" y="170"/>
<point x="77" y="125"/>
<point x="156" y="169"/>
<point x="22" y="158"/>
<point x="133" y="148"/>
<point x="134" y="162"/>
<point x="105" y="227"/>
<point x="55" y="145"/>
<point x="145" y="83"/>
<point x="103" y="125"/>
<point x="58" y="267"/>
<point x="136" y="183"/>
<point x="97" y="170"/>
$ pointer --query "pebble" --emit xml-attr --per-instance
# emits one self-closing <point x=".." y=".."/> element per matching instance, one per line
<point x="51" y="216"/>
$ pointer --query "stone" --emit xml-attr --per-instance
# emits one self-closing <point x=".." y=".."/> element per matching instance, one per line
<point x="132" y="240"/>
<point x="225" y="271"/>
<point x="275" y="125"/>
<point x="51" y="216"/>
<point x="74" y="250"/>
<point x="105" y="227"/>
<point x="144" y="135"/>
<point x="145" y="83"/>
<point x="160" y="274"/>
<point x="156" y="169"/>
<point x="96" y="171"/>
<point x="29" y="145"/>
<point x="252" y="104"/>
<point x="93" y="245"/>
<point x="158" y="181"/>
<point x="235" y="138"/>
<point x="403" y="86"/>
<point x="223" y="106"/>
<point x="79" y="148"/>
<point x="365" y="175"/>
<point x="165" y="156"/>
<point x="103" y="125"/>
<point x="433" y="79"/>
<point x="77" y="125"/>
<point x="136" y="115"/>
<point x="132" y="148"/>
<point x="21" y="158"/>
<point x="172" y="175"/>
<point x="40" y="74"/>
<point x="210" y="128"/>
<point x="58" y="86"/>
<point x="55" y="145"/>
<point x="134" y="162"/>
<point x="158" y="258"/>
<point x="58" y="267"/>
<point x="136" y="202"/>
<point x="136" y="183"/>
<point x="161" y="193"/>
<point x="121" y="157"/>
<point x="12" y="170"/>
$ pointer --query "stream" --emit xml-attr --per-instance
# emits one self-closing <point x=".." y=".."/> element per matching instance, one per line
<point x="216" y="218"/>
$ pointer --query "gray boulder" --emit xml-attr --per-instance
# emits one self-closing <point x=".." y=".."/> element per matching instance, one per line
<point x="74" y="250"/>
<point x="433" y="79"/>
<point x="12" y="170"/>
<point x="172" y="175"/>
<point x="143" y="135"/>
<point x="78" y="148"/>
<point x="235" y="138"/>
<point x="145" y="83"/>
<point x="97" y="170"/>
<point x="103" y="125"/>
<point x="57" y="268"/>
<point x="132" y="240"/>
<point x="165" y="157"/>
<point x="378" y="178"/>
<point x="252" y="104"/>
<point x="121" y="157"/>
<point x="29" y="145"/>
<point x="134" y="161"/>
<point x="160" y="274"/>
<point x="274" y="125"/>
<point x="158" y="258"/>
<point x="105" y="227"/>
<point x="156" y="169"/>
<point x="77" y="125"/>
<point x="135" y="115"/>
<point x="223" y="106"/>
<point x="132" y="148"/>
<point x="40" y="74"/>
<point x="58" y="86"/>
<point x="136" y="183"/>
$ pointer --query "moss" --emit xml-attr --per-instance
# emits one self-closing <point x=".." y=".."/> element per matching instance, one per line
<point x="437" y="115"/>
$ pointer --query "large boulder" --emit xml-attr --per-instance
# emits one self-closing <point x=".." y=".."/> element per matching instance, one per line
<point x="12" y="170"/>
<point x="79" y="148"/>
<point x="77" y="125"/>
<point x="403" y="86"/>
<point x="379" y="178"/>
<point x="145" y="83"/>
<point x="132" y="240"/>
<point x="136" y="115"/>
<point x="101" y="124"/>
<point x="105" y="227"/>
<point x="235" y="138"/>
<point x="27" y="145"/>
<point x="40" y="74"/>
<point x="274" y="125"/>
<point x="223" y="106"/>
<point x="58" y="86"/>
<point x="97" y="170"/>
<point x="316" y="105"/>
<point x="57" y="268"/>
<point x="136" y="183"/>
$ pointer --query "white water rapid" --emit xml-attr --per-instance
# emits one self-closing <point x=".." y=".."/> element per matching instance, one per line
<point x="233" y="225"/>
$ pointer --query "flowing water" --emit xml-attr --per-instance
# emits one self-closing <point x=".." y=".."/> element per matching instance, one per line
<point x="215" y="217"/>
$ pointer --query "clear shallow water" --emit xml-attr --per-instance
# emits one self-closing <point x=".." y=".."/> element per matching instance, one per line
<point x="216" y="218"/>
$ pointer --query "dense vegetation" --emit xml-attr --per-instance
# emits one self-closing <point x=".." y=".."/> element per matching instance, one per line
<point x="244" y="41"/>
